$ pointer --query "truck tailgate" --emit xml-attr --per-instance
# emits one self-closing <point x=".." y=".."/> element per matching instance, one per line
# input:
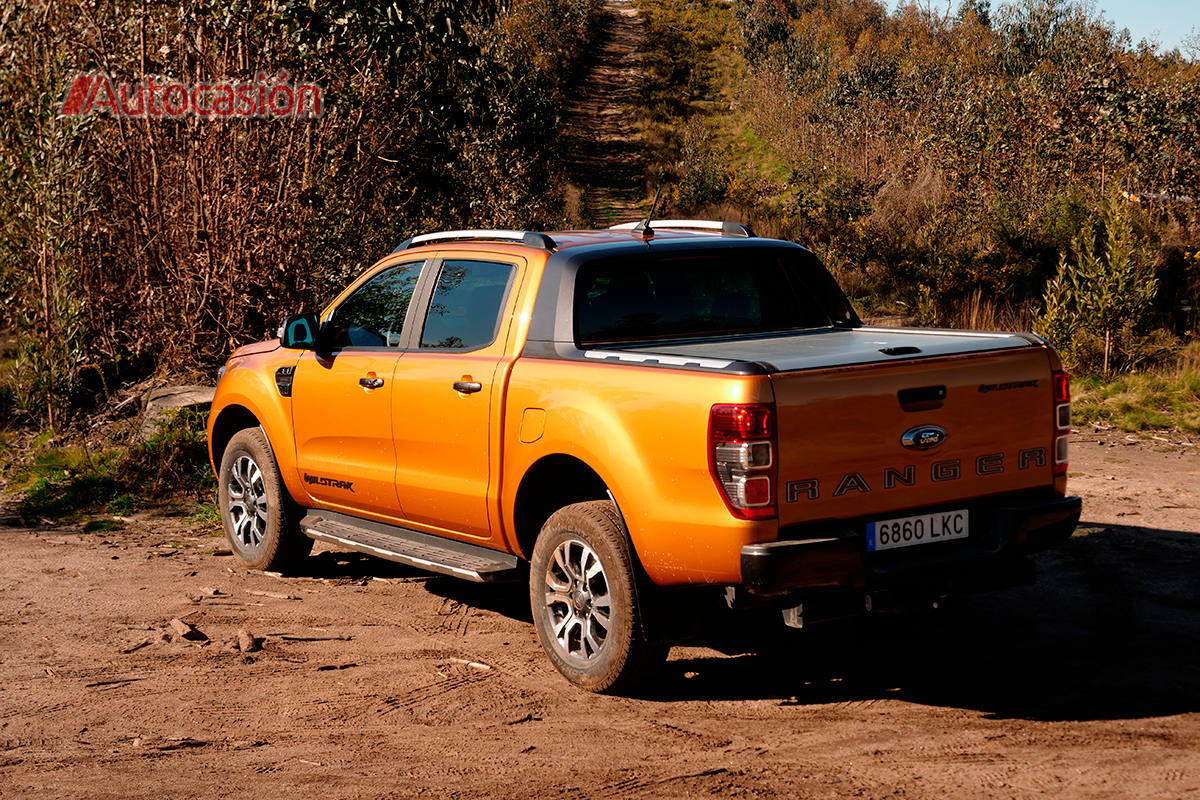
<point x="840" y="432"/>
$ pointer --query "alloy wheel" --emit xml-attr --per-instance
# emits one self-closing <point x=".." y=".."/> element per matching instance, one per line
<point x="578" y="602"/>
<point x="247" y="502"/>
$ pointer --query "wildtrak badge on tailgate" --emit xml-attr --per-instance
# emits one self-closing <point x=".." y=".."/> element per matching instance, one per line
<point x="1001" y="387"/>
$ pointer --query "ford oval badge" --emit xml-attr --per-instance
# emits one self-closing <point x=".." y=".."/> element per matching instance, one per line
<point x="923" y="437"/>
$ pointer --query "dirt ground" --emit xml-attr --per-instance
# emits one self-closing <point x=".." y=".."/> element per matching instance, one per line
<point x="604" y="157"/>
<point x="374" y="681"/>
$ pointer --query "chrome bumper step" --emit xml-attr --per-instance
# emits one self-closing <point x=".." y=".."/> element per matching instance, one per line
<point x="421" y="550"/>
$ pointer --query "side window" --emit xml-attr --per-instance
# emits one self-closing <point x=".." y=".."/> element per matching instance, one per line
<point x="373" y="316"/>
<point x="464" y="313"/>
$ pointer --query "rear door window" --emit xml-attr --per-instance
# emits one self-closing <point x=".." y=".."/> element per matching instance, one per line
<point x="465" y="311"/>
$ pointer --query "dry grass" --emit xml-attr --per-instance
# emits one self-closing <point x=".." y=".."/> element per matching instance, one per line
<point x="1165" y="400"/>
<point x="981" y="313"/>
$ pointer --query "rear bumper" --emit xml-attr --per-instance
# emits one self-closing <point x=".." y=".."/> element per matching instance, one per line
<point x="835" y="556"/>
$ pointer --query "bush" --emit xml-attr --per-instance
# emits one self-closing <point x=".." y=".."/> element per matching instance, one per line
<point x="1099" y="305"/>
<point x="65" y="481"/>
<point x="1134" y="403"/>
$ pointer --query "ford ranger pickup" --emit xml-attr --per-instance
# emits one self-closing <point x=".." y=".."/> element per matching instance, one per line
<point x="620" y="414"/>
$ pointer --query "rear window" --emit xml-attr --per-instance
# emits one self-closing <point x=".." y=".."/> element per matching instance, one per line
<point x="698" y="296"/>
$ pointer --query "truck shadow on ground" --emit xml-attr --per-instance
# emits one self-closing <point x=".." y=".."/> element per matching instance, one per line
<point x="1111" y="630"/>
<point x="510" y="598"/>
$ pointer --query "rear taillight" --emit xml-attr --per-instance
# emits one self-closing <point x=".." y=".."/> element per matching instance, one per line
<point x="741" y="457"/>
<point x="1062" y="419"/>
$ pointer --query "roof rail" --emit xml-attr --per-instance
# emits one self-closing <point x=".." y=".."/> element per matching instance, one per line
<point x="527" y="238"/>
<point x="726" y="228"/>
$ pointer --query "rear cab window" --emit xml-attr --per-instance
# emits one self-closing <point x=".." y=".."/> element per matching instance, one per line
<point x="701" y="295"/>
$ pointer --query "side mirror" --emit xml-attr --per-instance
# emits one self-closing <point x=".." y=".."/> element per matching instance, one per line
<point x="300" y="332"/>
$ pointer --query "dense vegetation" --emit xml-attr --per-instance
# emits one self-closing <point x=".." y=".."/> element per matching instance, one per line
<point x="129" y="246"/>
<point x="1017" y="165"/>
<point x="987" y="168"/>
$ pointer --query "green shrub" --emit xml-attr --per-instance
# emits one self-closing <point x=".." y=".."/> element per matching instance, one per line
<point x="65" y="481"/>
<point x="1100" y="304"/>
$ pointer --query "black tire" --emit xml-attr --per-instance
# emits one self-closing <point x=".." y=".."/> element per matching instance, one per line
<point x="268" y="538"/>
<point x="598" y="646"/>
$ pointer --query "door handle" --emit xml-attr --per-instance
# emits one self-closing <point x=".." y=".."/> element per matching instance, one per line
<point x="370" y="383"/>
<point x="467" y="387"/>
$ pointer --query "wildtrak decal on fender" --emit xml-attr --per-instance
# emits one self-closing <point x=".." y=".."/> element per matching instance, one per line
<point x="331" y="482"/>
<point x="892" y="477"/>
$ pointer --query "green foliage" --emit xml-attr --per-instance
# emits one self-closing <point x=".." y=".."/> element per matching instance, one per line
<point x="1103" y="293"/>
<point x="683" y="74"/>
<point x="703" y="171"/>
<point x="46" y="198"/>
<point x="65" y="481"/>
<point x="946" y="158"/>
<point x="175" y="458"/>
<point x="208" y="517"/>
<point x="678" y="68"/>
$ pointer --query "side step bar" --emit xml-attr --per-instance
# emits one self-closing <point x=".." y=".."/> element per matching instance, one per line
<point x="416" y="549"/>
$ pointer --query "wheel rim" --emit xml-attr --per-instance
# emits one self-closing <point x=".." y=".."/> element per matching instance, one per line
<point x="578" y="603"/>
<point x="247" y="503"/>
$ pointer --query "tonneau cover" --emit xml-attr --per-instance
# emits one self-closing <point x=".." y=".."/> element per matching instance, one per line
<point x="833" y="347"/>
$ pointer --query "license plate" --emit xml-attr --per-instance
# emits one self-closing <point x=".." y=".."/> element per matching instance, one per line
<point x="922" y="529"/>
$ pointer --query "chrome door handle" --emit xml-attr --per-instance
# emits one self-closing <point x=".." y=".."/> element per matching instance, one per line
<point x="467" y="387"/>
<point x="370" y="383"/>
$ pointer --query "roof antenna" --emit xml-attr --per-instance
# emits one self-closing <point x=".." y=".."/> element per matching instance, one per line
<point x="643" y="230"/>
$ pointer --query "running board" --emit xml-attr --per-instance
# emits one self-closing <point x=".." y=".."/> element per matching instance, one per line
<point x="416" y="549"/>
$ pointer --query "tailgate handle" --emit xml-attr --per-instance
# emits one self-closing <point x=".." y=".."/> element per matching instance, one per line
<point x="922" y="398"/>
<point x="905" y="350"/>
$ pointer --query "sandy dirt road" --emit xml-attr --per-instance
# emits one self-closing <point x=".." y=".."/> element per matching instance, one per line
<point x="379" y="682"/>
<point x="604" y="157"/>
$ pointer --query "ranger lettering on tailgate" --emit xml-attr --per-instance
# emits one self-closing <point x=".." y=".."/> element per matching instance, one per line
<point x="894" y="477"/>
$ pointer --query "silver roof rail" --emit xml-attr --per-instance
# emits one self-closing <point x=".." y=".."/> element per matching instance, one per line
<point x="529" y="238"/>
<point x="726" y="228"/>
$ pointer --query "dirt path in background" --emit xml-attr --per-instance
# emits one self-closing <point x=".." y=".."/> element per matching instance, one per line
<point x="604" y="160"/>
<point x="375" y="681"/>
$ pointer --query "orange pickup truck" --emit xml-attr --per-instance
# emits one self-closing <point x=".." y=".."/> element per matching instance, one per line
<point x="617" y="414"/>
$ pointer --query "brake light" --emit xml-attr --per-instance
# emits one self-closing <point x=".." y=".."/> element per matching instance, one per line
<point x="1061" y="382"/>
<point x="741" y="458"/>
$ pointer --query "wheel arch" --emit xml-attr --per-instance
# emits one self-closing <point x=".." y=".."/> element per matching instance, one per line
<point x="553" y="482"/>
<point x="231" y="419"/>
